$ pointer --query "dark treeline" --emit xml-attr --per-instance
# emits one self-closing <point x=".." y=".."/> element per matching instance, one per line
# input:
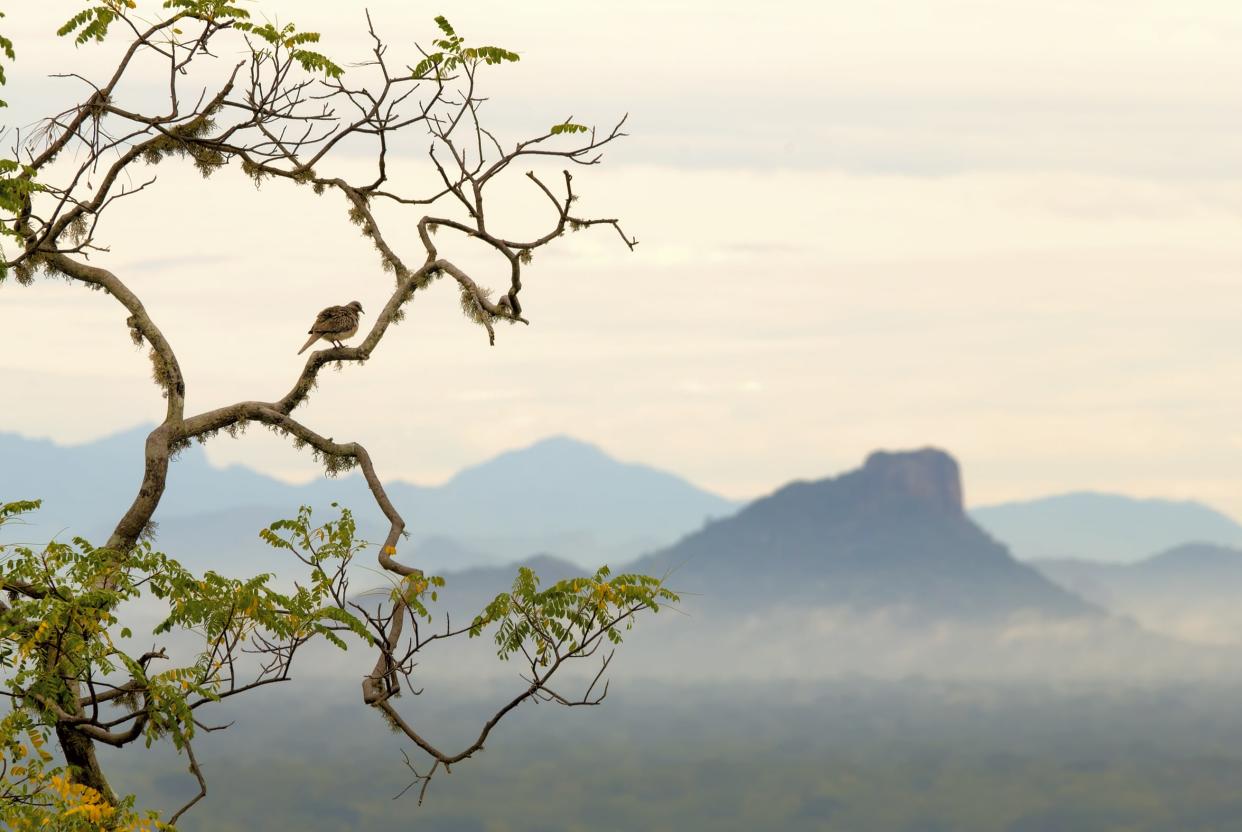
<point x="846" y="755"/>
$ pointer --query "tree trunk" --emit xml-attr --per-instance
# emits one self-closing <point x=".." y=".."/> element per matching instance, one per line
<point x="84" y="768"/>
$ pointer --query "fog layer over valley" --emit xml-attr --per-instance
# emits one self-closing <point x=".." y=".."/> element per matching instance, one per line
<point x="851" y="653"/>
<point x="878" y="572"/>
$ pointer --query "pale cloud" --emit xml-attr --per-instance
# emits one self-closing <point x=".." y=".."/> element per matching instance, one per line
<point x="177" y="263"/>
<point x="897" y="86"/>
<point x="1006" y="229"/>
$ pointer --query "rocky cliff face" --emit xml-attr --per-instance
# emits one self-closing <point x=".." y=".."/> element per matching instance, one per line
<point x="892" y="533"/>
<point x="929" y="478"/>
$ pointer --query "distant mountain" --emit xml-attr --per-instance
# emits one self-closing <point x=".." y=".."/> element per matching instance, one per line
<point x="891" y="534"/>
<point x="1195" y="570"/>
<point x="1103" y="527"/>
<point x="559" y="495"/>
<point x="86" y="487"/>
<point x="1190" y="592"/>
<point x="1201" y="565"/>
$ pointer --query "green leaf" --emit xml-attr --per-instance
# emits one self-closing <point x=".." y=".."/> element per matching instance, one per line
<point x="444" y="25"/>
<point x="89" y="24"/>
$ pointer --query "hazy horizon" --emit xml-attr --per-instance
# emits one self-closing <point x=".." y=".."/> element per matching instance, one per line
<point x="289" y="478"/>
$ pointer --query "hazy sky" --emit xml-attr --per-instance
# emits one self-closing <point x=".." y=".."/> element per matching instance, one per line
<point x="1011" y="230"/>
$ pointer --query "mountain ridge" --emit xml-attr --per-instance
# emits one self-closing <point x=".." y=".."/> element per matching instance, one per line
<point x="559" y="494"/>
<point x="1098" y="526"/>
<point x="1188" y="591"/>
<point x="892" y="533"/>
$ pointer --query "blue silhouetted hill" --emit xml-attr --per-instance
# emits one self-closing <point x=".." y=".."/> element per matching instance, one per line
<point x="1190" y="591"/>
<point x="1104" y="527"/>
<point x="558" y="495"/>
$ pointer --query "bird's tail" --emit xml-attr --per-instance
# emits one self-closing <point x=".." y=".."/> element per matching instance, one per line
<point x="314" y="337"/>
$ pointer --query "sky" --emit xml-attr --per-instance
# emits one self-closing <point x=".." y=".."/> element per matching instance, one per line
<point x="1010" y="230"/>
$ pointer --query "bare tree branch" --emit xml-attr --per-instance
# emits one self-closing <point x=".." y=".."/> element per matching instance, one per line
<point x="272" y="119"/>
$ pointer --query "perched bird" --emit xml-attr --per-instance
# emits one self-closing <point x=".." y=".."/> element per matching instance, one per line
<point x="334" y="324"/>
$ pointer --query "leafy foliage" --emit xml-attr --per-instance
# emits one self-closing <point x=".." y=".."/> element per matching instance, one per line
<point x="565" y="618"/>
<point x="289" y="38"/>
<point x="15" y="180"/>
<point x="6" y="46"/>
<point x="61" y="634"/>
<point x="93" y="23"/>
<point x="61" y="631"/>
<point x="213" y="10"/>
<point x="35" y="794"/>
<point x="452" y="54"/>
<point x="15" y="186"/>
